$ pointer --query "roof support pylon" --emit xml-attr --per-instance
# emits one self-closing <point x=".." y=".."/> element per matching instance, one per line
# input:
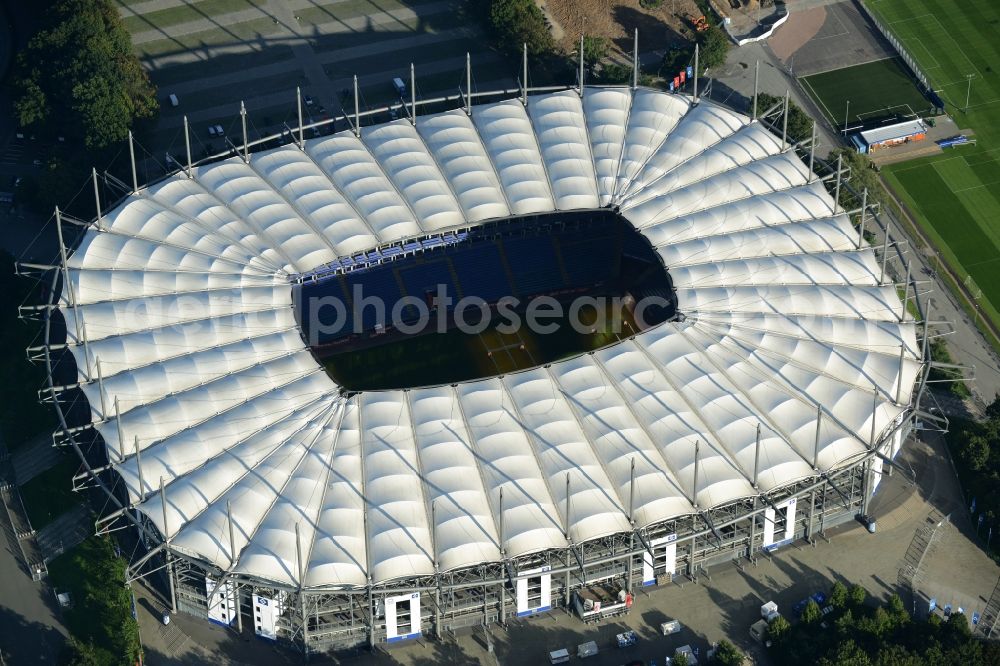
<point x="635" y="60"/>
<point x="97" y="200"/>
<point x="500" y="521"/>
<point x="100" y="388"/>
<point x="524" y="75"/>
<point x="468" y="83"/>
<point x="138" y="467"/>
<point x="756" y="459"/>
<point x="187" y="144"/>
<point x="885" y="253"/>
<point x="694" y="83"/>
<point x="899" y="383"/>
<point x="246" y="141"/>
<point x="812" y="154"/>
<point x="819" y="425"/>
<point x="861" y="222"/>
<point x="631" y="492"/>
<point x="874" y="412"/>
<point x="836" y="188"/>
<point x="694" y="485"/>
<point x="784" y="124"/>
<point x="413" y="95"/>
<point x="756" y="80"/>
<point x="131" y="159"/>
<point x="906" y="294"/>
<point x="568" y="507"/>
<point x="357" y="109"/>
<point x="581" y="65"/>
<point x="298" y="105"/>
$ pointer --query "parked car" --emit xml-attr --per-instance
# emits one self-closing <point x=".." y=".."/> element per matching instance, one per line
<point x="400" y="87"/>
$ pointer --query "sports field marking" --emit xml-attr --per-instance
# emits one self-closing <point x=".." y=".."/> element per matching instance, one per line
<point x="947" y="159"/>
<point x="857" y="64"/>
<point x="817" y="98"/>
<point x="976" y="187"/>
<point x="955" y="42"/>
<point x="984" y="261"/>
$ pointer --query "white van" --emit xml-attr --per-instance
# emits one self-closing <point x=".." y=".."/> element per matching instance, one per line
<point x="173" y="99"/>
<point x="400" y="87"/>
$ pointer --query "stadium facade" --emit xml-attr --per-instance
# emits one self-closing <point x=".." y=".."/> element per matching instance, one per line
<point x="265" y="494"/>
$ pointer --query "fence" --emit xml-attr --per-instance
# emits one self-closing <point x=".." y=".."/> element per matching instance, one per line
<point x="896" y="44"/>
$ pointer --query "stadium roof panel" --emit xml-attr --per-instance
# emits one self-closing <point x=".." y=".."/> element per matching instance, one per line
<point x="205" y="384"/>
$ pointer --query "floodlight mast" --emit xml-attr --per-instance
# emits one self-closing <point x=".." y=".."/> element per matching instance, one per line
<point x="413" y="95"/>
<point x="581" y="64"/>
<point x="756" y="80"/>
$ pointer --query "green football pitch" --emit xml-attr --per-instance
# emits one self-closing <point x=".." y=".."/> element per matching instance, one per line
<point x="956" y="196"/>
<point x="878" y="89"/>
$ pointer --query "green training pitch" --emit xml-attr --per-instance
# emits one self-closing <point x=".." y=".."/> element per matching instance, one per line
<point x="878" y="89"/>
<point x="956" y="196"/>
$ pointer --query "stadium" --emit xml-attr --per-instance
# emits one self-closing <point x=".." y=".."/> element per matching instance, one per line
<point x="270" y="482"/>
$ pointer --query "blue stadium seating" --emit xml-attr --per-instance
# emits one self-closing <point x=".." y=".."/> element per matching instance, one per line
<point x="481" y="272"/>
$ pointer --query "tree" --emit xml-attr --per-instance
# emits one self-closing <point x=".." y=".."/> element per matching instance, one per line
<point x="680" y="659"/>
<point x="857" y="595"/>
<point x="78" y="76"/>
<point x="714" y="50"/>
<point x="897" y="610"/>
<point x="778" y="629"/>
<point x="517" y="22"/>
<point x="847" y="653"/>
<point x="812" y="612"/>
<point x="80" y="653"/>
<point x="595" y="49"/>
<point x="975" y="452"/>
<point x="800" y="125"/>
<point x="838" y="595"/>
<point x="726" y="654"/>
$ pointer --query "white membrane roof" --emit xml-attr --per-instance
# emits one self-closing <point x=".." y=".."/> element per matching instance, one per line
<point x="198" y="378"/>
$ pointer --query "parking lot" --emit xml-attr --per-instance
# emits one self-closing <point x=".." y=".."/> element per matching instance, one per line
<point x="213" y="54"/>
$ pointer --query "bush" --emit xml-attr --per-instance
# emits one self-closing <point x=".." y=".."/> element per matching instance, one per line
<point x="518" y="22"/>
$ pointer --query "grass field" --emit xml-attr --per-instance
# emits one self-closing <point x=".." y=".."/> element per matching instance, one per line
<point x="956" y="196"/>
<point x="877" y="89"/>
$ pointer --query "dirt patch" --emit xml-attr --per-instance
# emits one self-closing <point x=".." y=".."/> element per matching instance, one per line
<point x="797" y="31"/>
<point x="616" y="20"/>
